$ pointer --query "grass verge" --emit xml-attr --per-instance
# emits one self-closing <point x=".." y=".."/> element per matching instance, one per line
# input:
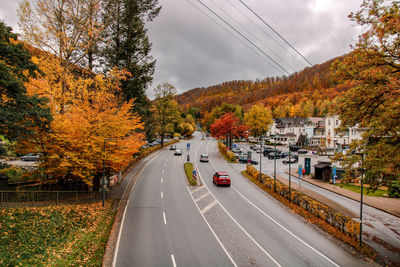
<point x="66" y="235"/>
<point x="357" y="189"/>
<point x="308" y="216"/>
<point x="189" y="173"/>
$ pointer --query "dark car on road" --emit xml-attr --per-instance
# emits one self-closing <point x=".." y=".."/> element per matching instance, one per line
<point x="178" y="152"/>
<point x="221" y="178"/>
<point x="203" y="158"/>
<point x="30" y="157"/>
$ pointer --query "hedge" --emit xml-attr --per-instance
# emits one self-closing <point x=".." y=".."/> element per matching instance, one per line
<point x="312" y="207"/>
<point x="228" y="155"/>
<point x="189" y="173"/>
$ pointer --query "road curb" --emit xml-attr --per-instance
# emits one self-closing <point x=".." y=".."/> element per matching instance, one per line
<point x="110" y="248"/>
<point x="372" y="206"/>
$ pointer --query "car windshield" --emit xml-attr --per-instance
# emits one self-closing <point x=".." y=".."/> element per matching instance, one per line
<point x="223" y="176"/>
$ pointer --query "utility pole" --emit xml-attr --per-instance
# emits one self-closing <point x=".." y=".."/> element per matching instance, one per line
<point x="275" y="163"/>
<point x="104" y="173"/>
<point x="290" y="178"/>
<point x="261" y="149"/>
<point x="362" y="194"/>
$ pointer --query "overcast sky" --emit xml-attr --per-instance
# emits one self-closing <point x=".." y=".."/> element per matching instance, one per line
<point x="192" y="50"/>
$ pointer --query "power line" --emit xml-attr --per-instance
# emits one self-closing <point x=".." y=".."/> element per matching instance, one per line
<point x="252" y="35"/>
<point x="266" y="32"/>
<point x="276" y="32"/>
<point x="237" y="38"/>
<point x="243" y="36"/>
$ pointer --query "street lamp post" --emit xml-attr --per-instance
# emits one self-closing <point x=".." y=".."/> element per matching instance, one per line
<point x="104" y="173"/>
<point x="261" y="148"/>
<point x="362" y="194"/>
<point x="290" y="178"/>
<point x="275" y="163"/>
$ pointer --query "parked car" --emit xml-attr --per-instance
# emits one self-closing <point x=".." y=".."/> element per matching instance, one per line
<point x="221" y="178"/>
<point x="302" y="151"/>
<point x="286" y="154"/>
<point x="245" y="160"/>
<point x="237" y="150"/>
<point x="292" y="160"/>
<point x="204" y="158"/>
<point x="173" y="147"/>
<point x="274" y="155"/>
<point x="30" y="157"/>
<point x="268" y="152"/>
<point x="178" y="152"/>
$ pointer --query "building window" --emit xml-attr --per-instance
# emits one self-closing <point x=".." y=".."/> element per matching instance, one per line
<point x="337" y="122"/>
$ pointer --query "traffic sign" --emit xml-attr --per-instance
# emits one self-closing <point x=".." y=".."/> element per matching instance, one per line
<point x="194" y="172"/>
<point x="188" y="146"/>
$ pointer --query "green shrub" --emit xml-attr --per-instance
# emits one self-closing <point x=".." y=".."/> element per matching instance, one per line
<point x="228" y="155"/>
<point x="394" y="189"/>
<point x="189" y="173"/>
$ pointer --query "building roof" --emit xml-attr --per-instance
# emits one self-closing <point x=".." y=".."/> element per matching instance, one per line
<point x="322" y="165"/>
<point x="290" y="122"/>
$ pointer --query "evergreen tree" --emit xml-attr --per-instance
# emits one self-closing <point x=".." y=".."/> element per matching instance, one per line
<point x="128" y="47"/>
<point x="20" y="114"/>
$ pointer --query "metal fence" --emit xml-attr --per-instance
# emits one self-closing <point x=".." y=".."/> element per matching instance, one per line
<point x="9" y="198"/>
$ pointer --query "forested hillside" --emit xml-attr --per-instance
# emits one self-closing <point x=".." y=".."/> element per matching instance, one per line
<point x="312" y="86"/>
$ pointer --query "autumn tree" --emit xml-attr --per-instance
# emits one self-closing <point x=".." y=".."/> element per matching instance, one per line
<point x="228" y="127"/>
<point x="165" y="110"/>
<point x="258" y="119"/>
<point x="371" y="72"/>
<point x="73" y="149"/>
<point x="20" y="115"/>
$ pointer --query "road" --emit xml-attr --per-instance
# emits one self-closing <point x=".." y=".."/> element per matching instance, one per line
<point x="167" y="223"/>
<point x="381" y="230"/>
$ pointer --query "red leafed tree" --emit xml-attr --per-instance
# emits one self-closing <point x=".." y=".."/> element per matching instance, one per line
<point x="228" y="126"/>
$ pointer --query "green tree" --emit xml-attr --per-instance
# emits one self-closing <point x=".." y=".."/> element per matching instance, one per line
<point x="128" y="47"/>
<point x="165" y="110"/>
<point x="20" y="115"/>
<point x="258" y="118"/>
<point x="371" y="72"/>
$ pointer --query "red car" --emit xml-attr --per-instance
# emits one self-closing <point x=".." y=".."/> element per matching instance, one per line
<point x="221" y="178"/>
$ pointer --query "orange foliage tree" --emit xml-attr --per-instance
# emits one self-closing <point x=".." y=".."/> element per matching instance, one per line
<point x="228" y="126"/>
<point x="93" y="115"/>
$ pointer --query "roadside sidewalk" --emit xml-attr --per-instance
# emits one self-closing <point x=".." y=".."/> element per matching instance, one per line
<point x="389" y="205"/>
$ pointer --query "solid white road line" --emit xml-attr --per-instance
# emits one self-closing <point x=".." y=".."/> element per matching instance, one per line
<point x="123" y="216"/>
<point x="209" y="206"/>
<point x="269" y="217"/>
<point x="165" y="219"/>
<point x="162" y="195"/>
<point x="292" y="234"/>
<point x="233" y="219"/>
<point x="202" y="196"/>
<point x="212" y="231"/>
<point x="173" y="260"/>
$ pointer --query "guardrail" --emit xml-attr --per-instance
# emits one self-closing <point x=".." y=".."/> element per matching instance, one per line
<point x="10" y="198"/>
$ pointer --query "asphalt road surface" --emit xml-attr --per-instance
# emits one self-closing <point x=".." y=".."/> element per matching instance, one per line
<point x="168" y="223"/>
<point x="381" y="229"/>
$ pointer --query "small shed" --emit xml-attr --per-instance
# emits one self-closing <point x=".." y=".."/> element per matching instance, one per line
<point x="323" y="171"/>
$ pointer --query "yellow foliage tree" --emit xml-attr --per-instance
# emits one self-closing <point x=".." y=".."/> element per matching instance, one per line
<point x="258" y="118"/>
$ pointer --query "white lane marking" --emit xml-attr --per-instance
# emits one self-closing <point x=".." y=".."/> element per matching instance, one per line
<point x="197" y="189"/>
<point x="162" y="195"/>
<point x="269" y="217"/>
<point x="173" y="260"/>
<point x="165" y="218"/>
<point x="277" y="223"/>
<point x="233" y="219"/>
<point x="212" y="231"/>
<point x="163" y="171"/>
<point x="123" y="216"/>
<point x="162" y="180"/>
<point x="202" y="196"/>
<point x="209" y="206"/>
